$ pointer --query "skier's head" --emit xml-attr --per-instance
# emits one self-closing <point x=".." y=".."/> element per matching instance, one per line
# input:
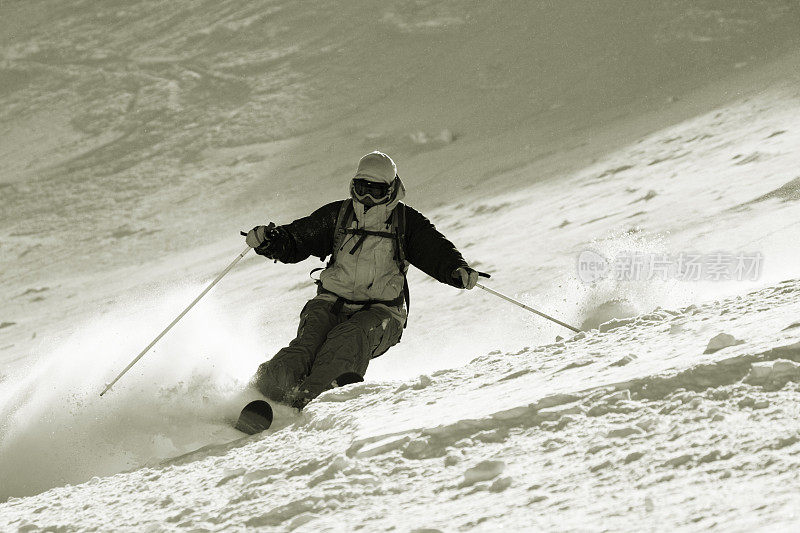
<point x="375" y="181"/>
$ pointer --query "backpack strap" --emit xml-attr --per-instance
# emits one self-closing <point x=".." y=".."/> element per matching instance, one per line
<point x="363" y="235"/>
<point x="399" y="223"/>
<point x="343" y="220"/>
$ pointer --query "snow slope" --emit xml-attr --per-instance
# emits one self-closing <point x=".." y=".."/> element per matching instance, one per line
<point x="634" y="427"/>
<point x="148" y="134"/>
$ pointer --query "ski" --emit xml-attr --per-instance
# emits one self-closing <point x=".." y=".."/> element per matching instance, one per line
<point x="348" y="378"/>
<point x="257" y="415"/>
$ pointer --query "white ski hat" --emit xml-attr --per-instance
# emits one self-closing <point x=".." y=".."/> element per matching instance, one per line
<point x="376" y="166"/>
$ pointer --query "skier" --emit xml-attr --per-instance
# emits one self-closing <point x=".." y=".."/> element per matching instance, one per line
<point x="362" y="295"/>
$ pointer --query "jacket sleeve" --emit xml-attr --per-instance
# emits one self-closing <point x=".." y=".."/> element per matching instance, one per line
<point x="311" y="235"/>
<point x="429" y="250"/>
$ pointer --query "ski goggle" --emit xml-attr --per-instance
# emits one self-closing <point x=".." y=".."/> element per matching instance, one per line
<point x="376" y="189"/>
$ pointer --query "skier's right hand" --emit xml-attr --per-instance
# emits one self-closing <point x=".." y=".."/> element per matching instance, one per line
<point x="268" y="241"/>
<point x="257" y="235"/>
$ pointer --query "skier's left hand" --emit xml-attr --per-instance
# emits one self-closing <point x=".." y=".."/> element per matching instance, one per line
<point x="467" y="276"/>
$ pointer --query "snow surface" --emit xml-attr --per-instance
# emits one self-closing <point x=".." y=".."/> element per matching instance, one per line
<point x="632" y="425"/>
<point x="138" y="140"/>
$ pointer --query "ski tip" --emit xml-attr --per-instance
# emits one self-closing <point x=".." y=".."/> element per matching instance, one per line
<point x="348" y="378"/>
<point x="255" y="417"/>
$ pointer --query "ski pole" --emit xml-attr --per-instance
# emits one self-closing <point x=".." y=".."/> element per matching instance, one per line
<point x="522" y="305"/>
<point x="164" y="332"/>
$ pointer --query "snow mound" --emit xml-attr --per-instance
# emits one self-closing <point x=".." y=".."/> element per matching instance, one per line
<point x="723" y="340"/>
<point x="607" y="311"/>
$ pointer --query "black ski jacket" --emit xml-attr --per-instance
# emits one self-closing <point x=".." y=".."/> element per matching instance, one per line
<point x="424" y="246"/>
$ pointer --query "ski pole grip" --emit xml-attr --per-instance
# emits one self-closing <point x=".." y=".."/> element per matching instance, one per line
<point x="484" y="275"/>
<point x="243" y="233"/>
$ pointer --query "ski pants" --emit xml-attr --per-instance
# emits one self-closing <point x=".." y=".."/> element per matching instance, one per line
<point x="328" y="344"/>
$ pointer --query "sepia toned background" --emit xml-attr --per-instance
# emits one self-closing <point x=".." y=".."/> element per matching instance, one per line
<point x="137" y="138"/>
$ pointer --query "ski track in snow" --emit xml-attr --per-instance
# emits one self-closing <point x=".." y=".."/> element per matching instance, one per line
<point x="647" y="431"/>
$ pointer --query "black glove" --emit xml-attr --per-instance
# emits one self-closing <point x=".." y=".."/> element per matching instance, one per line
<point x="467" y="276"/>
<point x="269" y="241"/>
